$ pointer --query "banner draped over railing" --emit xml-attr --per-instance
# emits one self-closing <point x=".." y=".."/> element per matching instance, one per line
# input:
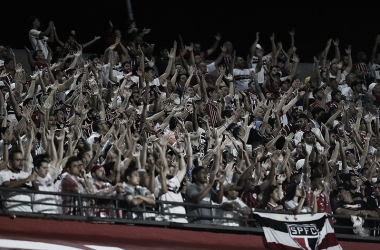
<point x="301" y="231"/>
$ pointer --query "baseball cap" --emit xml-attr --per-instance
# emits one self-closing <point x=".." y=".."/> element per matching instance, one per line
<point x="300" y="163"/>
<point x="153" y="138"/>
<point x="258" y="46"/>
<point x="95" y="167"/>
<point x="230" y="187"/>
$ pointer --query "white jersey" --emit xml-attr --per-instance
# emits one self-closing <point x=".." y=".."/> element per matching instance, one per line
<point x="242" y="78"/>
<point x="46" y="184"/>
<point x="376" y="69"/>
<point x="261" y="73"/>
<point x="20" y="202"/>
<point x="231" y="218"/>
<point x="37" y="42"/>
<point x="174" y="195"/>
<point x="299" y="135"/>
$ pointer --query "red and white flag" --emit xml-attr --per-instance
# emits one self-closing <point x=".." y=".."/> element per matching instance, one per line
<point x="301" y="231"/>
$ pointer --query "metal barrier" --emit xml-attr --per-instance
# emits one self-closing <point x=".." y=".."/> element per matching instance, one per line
<point x="86" y="211"/>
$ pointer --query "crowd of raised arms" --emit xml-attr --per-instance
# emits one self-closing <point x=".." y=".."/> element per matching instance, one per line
<point x="144" y="124"/>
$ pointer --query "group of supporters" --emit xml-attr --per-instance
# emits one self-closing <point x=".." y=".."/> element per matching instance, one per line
<point x="240" y="132"/>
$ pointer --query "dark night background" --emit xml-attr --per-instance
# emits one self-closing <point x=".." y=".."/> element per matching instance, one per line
<point x="238" y="22"/>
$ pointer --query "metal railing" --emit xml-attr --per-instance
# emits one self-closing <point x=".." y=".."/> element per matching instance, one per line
<point x="87" y="209"/>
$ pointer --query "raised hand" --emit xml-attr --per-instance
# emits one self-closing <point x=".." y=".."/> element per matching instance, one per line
<point x="135" y="137"/>
<point x="61" y="135"/>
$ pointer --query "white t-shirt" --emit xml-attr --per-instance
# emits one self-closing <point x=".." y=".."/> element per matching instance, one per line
<point x="376" y="69"/>
<point x="46" y="184"/>
<point x="37" y="42"/>
<point x="229" y="214"/>
<point x="242" y="77"/>
<point x="299" y="134"/>
<point x="261" y="73"/>
<point x="174" y="195"/>
<point x="290" y="205"/>
<point x="20" y="202"/>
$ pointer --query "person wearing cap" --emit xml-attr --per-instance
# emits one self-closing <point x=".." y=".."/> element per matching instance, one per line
<point x="232" y="207"/>
<point x="348" y="206"/>
<point x="257" y="59"/>
<point x="374" y="90"/>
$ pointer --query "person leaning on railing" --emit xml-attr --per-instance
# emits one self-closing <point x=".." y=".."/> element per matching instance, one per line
<point x="347" y="206"/>
<point x="13" y="176"/>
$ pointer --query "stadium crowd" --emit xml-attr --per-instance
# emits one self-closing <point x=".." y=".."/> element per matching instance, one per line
<point x="143" y="124"/>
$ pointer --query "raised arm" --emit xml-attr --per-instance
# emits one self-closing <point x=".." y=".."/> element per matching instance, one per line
<point x="336" y="58"/>
<point x="90" y="42"/>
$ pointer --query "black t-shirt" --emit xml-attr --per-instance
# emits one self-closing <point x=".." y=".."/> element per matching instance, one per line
<point x="255" y="138"/>
<point x="356" y="205"/>
<point x="189" y="118"/>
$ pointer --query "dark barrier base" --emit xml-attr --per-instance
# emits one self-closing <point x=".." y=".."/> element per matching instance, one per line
<point x="79" y="234"/>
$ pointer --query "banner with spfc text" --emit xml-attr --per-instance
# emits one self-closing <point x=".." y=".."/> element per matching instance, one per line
<point x="301" y="231"/>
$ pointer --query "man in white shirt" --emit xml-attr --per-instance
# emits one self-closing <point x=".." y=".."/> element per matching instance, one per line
<point x="302" y="123"/>
<point x="99" y="127"/>
<point x="14" y="177"/>
<point x="242" y="75"/>
<point x="45" y="182"/>
<point x="39" y="39"/>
